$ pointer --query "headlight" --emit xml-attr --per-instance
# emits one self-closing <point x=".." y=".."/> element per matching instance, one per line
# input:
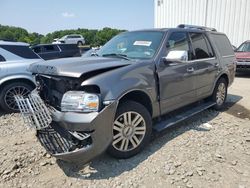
<point x="79" y="101"/>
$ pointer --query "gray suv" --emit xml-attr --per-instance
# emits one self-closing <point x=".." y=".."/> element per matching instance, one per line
<point x="113" y="100"/>
<point x="15" y="58"/>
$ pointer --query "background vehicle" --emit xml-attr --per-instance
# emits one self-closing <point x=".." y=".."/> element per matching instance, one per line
<point x="71" y="39"/>
<point x="110" y="101"/>
<point x="243" y="56"/>
<point x="55" y="51"/>
<point x="90" y="52"/>
<point x="15" y="58"/>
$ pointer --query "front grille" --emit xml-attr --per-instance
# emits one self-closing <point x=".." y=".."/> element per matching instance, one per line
<point x="34" y="111"/>
<point x="53" y="142"/>
<point x="56" y="139"/>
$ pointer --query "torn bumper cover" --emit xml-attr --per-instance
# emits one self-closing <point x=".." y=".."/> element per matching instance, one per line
<point x="72" y="137"/>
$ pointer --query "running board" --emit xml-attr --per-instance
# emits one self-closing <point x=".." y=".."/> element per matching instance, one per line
<point x="182" y="116"/>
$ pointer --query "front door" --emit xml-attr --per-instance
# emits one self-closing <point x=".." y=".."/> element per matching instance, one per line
<point x="176" y="79"/>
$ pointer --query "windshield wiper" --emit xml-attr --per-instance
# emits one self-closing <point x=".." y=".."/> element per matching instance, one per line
<point x="123" y="56"/>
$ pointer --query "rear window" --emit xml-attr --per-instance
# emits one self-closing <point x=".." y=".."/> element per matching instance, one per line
<point x="223" y="44"/>
<point x="22" y="51"/>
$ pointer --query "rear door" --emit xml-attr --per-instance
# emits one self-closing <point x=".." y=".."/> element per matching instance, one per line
<point x="71" y="39"/>
<point x="207" y="65"/>
<point x="176" y="79"/>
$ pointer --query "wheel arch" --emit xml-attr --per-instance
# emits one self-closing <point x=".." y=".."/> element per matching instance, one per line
<point x="17" y="79"/>
<point x="138" y="96"/>
<point x="225" y="76"/>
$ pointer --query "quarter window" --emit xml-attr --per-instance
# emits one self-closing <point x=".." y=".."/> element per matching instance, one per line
<point x="200" y="46"/>
<point x="2" y="58"/>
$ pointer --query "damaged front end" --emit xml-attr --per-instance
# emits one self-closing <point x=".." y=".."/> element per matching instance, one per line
<point x="72" y="136"/>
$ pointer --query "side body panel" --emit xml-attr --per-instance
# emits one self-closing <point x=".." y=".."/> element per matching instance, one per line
<point x="139" y="76"/>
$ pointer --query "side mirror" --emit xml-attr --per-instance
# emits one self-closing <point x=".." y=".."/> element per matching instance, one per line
<point x="176" y="55"/>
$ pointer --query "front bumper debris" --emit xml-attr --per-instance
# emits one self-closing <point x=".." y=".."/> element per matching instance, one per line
<point x="75" y="137"/>
<point x="34" y="111"/>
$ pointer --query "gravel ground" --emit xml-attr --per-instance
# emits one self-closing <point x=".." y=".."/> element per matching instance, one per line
<point x="212" y="149"/>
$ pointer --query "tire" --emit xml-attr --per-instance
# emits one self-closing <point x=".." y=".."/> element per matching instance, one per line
<point x="79" y="43"/>
<point x="220" y="94"/>
<point x="140" y="123"/>
<point x="7" y="101"/>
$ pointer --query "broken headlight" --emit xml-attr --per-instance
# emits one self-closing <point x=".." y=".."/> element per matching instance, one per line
<point x="79" y="101"/>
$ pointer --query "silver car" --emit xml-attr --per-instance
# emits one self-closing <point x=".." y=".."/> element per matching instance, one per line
<point x="15" y="58"/>
<point x="70" y="39"/>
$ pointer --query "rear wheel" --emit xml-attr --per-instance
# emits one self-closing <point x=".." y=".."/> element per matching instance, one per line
<point x="131" y="130"/>
<point x="8" y="93"/>
<point x="220" y="93"/>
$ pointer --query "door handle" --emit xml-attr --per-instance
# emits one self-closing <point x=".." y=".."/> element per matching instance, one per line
<point x="190" y="69"/>
<point x="216" y="64"/>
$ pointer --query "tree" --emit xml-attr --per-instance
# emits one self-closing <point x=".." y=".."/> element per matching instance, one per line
<point x="92" y="37"/>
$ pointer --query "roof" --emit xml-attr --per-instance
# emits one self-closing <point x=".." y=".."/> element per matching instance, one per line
<point x="2" y="42"/>
<point x="185" y="27"/>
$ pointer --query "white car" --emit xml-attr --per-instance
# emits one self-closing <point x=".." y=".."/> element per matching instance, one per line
<point x="70" y="39"/>
<point x="15" y="58"/>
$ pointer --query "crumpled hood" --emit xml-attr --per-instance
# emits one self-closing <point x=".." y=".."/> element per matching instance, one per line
<point x="77" y="66"/>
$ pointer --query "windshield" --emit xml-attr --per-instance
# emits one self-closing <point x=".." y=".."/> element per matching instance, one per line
<point x="245" y="47"/>
<point x="64" y="37"/>
<point x="133" y="45"/>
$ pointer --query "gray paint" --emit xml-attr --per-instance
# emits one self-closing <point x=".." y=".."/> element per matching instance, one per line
<point x="168" y="86"/>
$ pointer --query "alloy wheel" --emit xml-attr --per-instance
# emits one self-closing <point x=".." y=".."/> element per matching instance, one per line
<point x="221" y="94"/>
<point x="128" y="131"/>
<point x="9" y="97"/>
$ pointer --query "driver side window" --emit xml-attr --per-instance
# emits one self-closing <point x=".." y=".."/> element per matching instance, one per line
<point x="178" y="41"/>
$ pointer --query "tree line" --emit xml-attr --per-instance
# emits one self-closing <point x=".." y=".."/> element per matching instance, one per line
<point x="92" y="37"/>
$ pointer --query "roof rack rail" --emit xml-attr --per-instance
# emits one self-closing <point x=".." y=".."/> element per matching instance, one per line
<point x="184" y="26"/>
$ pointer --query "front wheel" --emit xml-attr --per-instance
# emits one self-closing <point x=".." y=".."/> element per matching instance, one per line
<point x="220" y="94"/>
<point x="131" y="130"/>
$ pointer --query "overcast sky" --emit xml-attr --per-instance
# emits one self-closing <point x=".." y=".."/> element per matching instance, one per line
<point x="45" y="16"/>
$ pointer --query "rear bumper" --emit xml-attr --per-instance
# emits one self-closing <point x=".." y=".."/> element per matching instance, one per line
<point x="59" y="141"/>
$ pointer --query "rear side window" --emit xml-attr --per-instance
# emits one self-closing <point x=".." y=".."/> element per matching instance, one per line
<point x="50" y="48"/>
<point x="2" y="58"/>
<point x="201" y="47"/>
<point x="22" y="51"/>
<point x="223" y="44"/>
<point x="68" y="46"/>
<point x="37" y="49"/>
